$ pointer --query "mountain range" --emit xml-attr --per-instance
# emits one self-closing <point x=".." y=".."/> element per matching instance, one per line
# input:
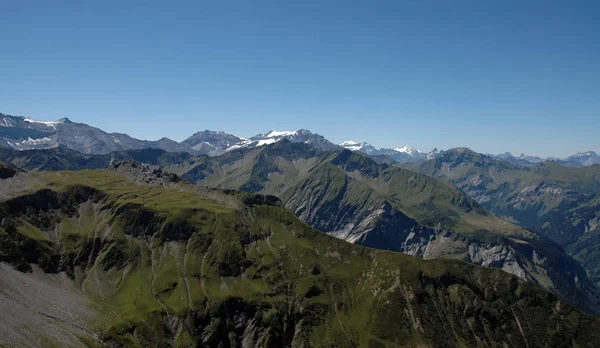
<point x="403" y="154"/>
<point x="280" y="239"/>
<point x="578" y="160"/>
<point x="132" y="256"/>
<point x="352" y="197"/>
<point x="22" y="133"/>
<point x="562" y="203"/>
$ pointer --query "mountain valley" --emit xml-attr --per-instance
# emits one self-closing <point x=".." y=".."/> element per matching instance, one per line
<point x="350" y="196"/>
<point x="167" y="263"/>
<point x="559" y="202"/>
<point x="95" y="215"/>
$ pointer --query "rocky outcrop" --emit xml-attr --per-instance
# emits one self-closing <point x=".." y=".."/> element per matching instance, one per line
<point x="145" y="174"/>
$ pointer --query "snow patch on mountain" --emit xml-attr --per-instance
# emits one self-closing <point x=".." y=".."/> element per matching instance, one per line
<point x="216" y="143"/>
<point x="25" y="133"/>
<point x="404" y="154"/>
<point x="279" y="134"/>
<point x="585" y="154"/>
<point x="266" y="141"/>
<point x="47" y="123"/>
<point x="30" y="143"/>
<point x="356" y="146"/>
<point x="408" y="150"/>
<point x="7" y="122"/>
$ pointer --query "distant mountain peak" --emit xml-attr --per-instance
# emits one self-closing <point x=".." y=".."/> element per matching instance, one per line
<point x="585" y="159"/>
<point x="462" y="150"/>
<point x="208" y="131"/>
<point x="298" y="136"/>
<point x="47" y="123"/>
<point x="25" y="133"/>
<point x="586" y="153"/>
<point x="215" y="143"/>
<point x="401" y="154"/>
<point x="407" y="149"/>
<point x="356" y="146"/>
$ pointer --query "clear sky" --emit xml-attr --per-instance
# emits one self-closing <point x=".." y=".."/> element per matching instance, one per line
<point x="496" y="76"/>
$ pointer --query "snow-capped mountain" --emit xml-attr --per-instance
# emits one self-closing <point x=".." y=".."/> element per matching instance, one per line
<point x="363" y="147"/>
<point x="299" y="136"/>
<point x="23" y="133"/>
<point x="403" y="154"/>
<point x="583" y="159"/>
<point x="216" y="143"/>
<point x="411" y="151"/>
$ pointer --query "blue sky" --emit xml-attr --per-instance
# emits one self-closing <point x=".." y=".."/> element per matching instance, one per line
<point x="496" y="76"/>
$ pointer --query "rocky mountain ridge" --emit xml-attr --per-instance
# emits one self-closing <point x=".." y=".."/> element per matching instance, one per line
<point x="22" y="133"/>
<point x="559" y="202"/>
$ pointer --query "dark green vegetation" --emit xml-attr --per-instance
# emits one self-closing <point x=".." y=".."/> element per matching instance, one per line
<point x="350" y="196"/>
<point x="7" y="170"/>
<point x="561" y="203"/>
<point x="189" y="266"/>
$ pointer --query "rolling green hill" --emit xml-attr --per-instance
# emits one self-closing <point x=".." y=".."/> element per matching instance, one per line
<point x="175" y="264"/>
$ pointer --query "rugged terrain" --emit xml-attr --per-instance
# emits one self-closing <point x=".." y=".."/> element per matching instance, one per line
<point x="158" y="262"/>
<point x="560" y="202"/>
<point x="24" y="133"/>
<point x="348" y="195"/>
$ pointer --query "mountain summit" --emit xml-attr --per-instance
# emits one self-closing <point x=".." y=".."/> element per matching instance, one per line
<point x="299" y="136"/>
<point x="402" y="154"/>
<point x="217" y="143"/>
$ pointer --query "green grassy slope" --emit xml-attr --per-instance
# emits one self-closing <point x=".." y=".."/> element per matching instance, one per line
<point x="187" y="266"/>
<point x="350" y="196"/>
<point x="279" y="168"/>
